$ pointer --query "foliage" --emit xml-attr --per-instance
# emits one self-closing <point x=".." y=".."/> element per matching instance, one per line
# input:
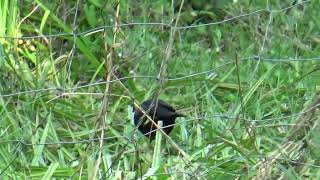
<point x="249" y="85"/>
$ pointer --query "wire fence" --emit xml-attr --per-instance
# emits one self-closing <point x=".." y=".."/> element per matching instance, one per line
<point x="203" y="73"/>
<point x="254" y="58"/>
<point x="157" y="24"/>
<point x="184" y="121"/>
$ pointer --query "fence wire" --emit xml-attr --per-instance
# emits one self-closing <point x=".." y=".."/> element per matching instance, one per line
<point x="156" y="24"/>
<point x="254" y="58"/>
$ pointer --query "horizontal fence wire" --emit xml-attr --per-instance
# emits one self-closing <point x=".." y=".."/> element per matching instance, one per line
<point x="221" y="116"/>
<point x="206" y="73"/>
<point x="156" y="24"/>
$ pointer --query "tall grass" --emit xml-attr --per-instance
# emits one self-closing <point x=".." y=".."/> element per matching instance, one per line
<point x="70" y="72"/>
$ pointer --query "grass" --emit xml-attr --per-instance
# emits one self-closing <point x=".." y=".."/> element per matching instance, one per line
<point x="249" y="86"/>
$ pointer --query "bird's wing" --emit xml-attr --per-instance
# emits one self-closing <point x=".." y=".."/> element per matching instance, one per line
<point x="164" y="110"/>
<point x="165" y="113"/>
<point x="151" y="104"/>
<point x="166" y="105"/>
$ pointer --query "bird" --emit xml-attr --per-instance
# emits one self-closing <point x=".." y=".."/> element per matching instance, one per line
<point x="161" y="111"/>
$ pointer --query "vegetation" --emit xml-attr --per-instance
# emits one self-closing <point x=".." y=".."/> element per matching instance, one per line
<point x="246" y="74"/>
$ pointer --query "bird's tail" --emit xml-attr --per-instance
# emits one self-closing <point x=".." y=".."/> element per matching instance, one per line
<point x="178" y="114"/>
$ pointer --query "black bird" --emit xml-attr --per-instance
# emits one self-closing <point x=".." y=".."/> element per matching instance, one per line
<point x="163" y="111"/>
